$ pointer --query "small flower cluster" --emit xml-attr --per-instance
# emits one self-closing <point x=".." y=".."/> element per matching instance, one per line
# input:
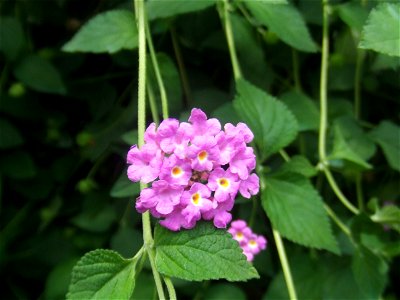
<point x="251" y="243"/>
<point x="196" y="170"/>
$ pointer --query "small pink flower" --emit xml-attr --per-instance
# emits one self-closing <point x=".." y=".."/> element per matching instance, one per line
<point x="243" y="162"/>
<point x="224" y="183"/>
<point x="203" y="153"/>
<point x="176" y="171"/>
<point x="250" y="186"/>
<point x="202" y="126"/>
<point x="220" y="214"/>
<point x="176" y="220"/>
<point x="196" y="201"/>
<point x="145" y="164"/>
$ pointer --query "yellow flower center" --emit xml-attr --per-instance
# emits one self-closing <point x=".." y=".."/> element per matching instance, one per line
<point x="196" y="199"/>
<point x="239" y="236"/>
<point x="202" y="155"/>
<point x="176" y="172"/>
<point x="223" y="182"/>
<point x="252" y="243"/>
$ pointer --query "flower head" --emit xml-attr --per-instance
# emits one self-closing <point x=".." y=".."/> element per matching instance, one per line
<point x="196" y="170"/>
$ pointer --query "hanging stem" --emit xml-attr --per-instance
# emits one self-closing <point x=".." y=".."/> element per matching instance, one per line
<point x="160" y="82"/>
<point x="152" y="101"/>
<point x="231" y="44"/>
<point x="147" y="234"/>
<point x="285" y="264"/>
<point x="323" y="165"/>
<point x="338" y="222"/>
<point x="170" y="288"/>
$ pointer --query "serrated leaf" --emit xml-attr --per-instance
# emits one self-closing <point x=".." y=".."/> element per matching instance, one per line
<point x="353" y="14"/>
<point x="109" y="32"/>
<point x="296" y="211"/>
<point x="381" y="32"/>
<point x="351" y="143"/>
<point x="294" y="33"/>
<point x="300" y="165"/>
<point x="169" y="8"/>
<point x="272" y="123"/>
<point x="123" y="187"/>
<point x="304" y="108"/>
<point x="387" y="135"/>
<point x="370" y="272"/>
<point x="102" y="274"/>
<point x="9" y="135"/>
<point x="39" y="74"/>
<point x="202" y="253"/>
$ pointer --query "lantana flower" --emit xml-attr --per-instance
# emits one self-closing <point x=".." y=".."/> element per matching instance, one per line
<point x="250" y="242"/>
<point x="195" y="168"/>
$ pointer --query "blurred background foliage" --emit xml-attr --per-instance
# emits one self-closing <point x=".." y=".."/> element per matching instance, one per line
<point x="67" y="121"/>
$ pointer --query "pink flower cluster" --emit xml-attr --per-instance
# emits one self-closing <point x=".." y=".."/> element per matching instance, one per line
<point x="251" y="243"/>
<point x="196" y="170"/>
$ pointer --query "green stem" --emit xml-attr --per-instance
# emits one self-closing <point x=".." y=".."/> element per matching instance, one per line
<point x="170" y="288"/>
<point x="336" y="219"/>
<point x="147" y="234"/>
<point x="231" y="44"/>
<point x="253" y="211"/>
<point x="285" y="265"/>
<point x="160" y="82"/>
<point x="323" y="84"/>
<point x="181" y="66"/>
<point x="338" y="192"/>
<point x="284" y="155"/>
<point x="296" y="71"/>
<point x="153" y="105"/>
<point x="359" y="190"/>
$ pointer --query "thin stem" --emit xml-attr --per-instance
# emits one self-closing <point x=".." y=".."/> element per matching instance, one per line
<point x="285" y="265"/>
<point x="338" y="192"/>
<point x="170" y="288"/>
<point x="336" y="219"/>
<point x="160" y="82"/>
<point x="147" y="234"/>
<point x="231" y="44"/>
<point x="153" y="105"/>
<point x="284" y="155"/>
<point x="359" y="190"/>
<point x="181" y="66"/>
<point x="323" y="84"/>
<point x="296" y="70"/>
<point x="253" y="212"/>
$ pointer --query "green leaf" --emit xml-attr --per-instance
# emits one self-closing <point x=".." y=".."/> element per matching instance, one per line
<point x="223" y="291"/>
<point x="130" y="137"/>
<point x="387" y="214"/>
<point x="109" y="32"/>
<point x="58" y="280"/>
<point x="126" y="241"/>
<point x="9" y="135"/>
<point x="272" y="123"/>
<point x="169" y="8"/>
<point x="304" y="108"/>
<point x="123" y="187"/>
<point x="39" y="74"/>
<point x="351" y="143"/>
<point x="12" y="38"/>
<point x="381" y="32"/>
<point x="102" y="274"/>
<point x="272" y="15"/>
<point x="370" y="272"/>
<point x="296" y="210"/>
<point x="353" y="14"/>
<point x="95" y="219"/>
<point x="300" y="165"/>
<point x="202" y="253"/>
<point x="387" y="135"/>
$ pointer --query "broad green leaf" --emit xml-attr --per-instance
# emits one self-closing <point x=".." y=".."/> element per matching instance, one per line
<point x="300" y="165"/>
<point x="12" y="39"/>
<point x="9" y="135"/>
<point x="304" y="108"/>
<point x="202" y="253"/>
<point x="296" y="210"/>
<point x="58" y="280"/>
<point x="123" y="187"/>
<point x="272" y="123"/>
<point x="353" y="14"/>
<point x="39" y="74"/>
<point x="95" y="220"/>
<point x="351" y="143"/>
<point x="383" y="62"/>
<point x="381" y="32"/>
<point x="109" y="32"/>
<point x="294" y="33"/>
<point x="223" y="291"/>
<point x="387" y="135"/>
<point x="388" y="214"/>
<point x="169" y="8"/>
<point x="102" y="274"/>
<point x="370" y="272"/>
